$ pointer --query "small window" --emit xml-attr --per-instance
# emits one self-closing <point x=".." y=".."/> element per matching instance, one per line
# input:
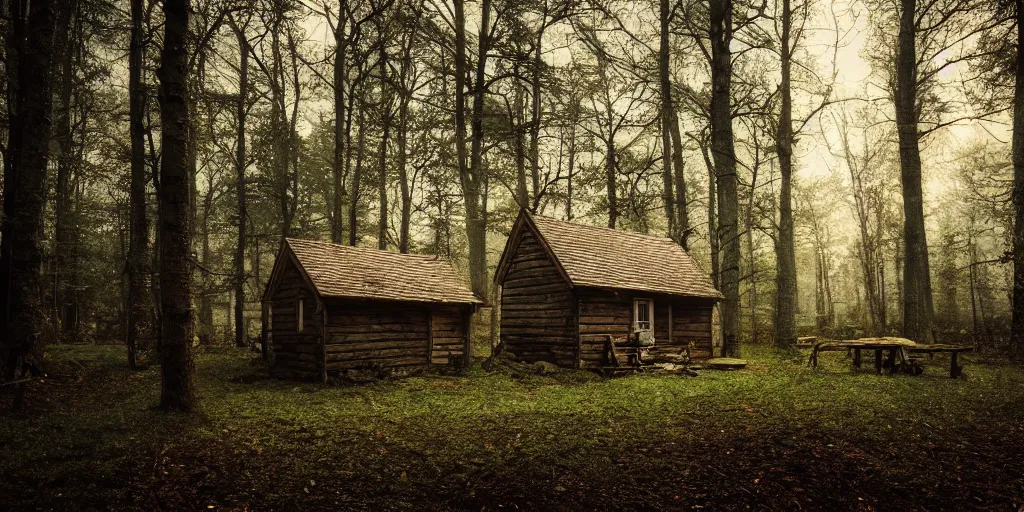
<point x="298" y="316"/>
<point x="643" y="315"/>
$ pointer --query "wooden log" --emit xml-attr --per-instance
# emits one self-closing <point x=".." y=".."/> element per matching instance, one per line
<point x="538" y="289"/>
<point x="379" y="354"/>
<point x="375" y="345"/>
<point x="371" y="363"/>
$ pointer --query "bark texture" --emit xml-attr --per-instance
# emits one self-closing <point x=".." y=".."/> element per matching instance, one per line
<point x="1017" y="331"/>
<point x="21" y="256"/>
<point x="917" y="292"/>
<point x="785" y="280"/>
<point x="724" y="153"/>
<point x="240" y="164"/>
<point x="178" y="389"/>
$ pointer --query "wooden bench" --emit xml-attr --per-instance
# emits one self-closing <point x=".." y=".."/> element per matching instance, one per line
<point x="899" y="353"/>
<point x="954" y="351"/>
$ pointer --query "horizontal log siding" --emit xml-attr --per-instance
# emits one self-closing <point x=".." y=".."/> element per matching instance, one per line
<point x="607" y="312"/>
<point x="537" y="307"/>
<point x="371" y="335"/>
<point x="691" y="321"/>
<point x="602" y="313"/>
<point x="449" y="336"/>
<point x="295" y="355"/>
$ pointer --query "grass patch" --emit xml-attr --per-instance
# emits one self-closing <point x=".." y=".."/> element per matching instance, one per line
<point x="777" y="434"/>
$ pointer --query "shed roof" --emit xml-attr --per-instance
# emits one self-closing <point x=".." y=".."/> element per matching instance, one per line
<point x="608" y="258"/>
<point x="359" y="272"/>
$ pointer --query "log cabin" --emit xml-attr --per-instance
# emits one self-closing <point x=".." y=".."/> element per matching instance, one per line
<point x="573" y="295"/>
<point x="331" y="309"/>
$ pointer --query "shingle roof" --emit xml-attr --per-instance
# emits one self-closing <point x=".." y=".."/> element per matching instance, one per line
<point x="359" y="272"/>
<point x="608" y="258"/>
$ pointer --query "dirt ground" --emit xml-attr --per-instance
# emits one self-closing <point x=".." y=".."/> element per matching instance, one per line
<point x="776" y="436"/>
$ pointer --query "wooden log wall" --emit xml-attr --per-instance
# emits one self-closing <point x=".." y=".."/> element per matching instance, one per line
<point x="295" y="355"/>
<point x="602" y="313"/>
<point x="691" y="321"/>
<point x="537" y="307"/>
<point x="368" y="334"/>
<point x="608" y="312"/>
<point x="448" y="334"/>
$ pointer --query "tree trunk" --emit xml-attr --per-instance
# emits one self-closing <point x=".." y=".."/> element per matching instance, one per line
<point x="205" y="302"/>
<point x="340" y="126"/>
<point x="724" y="153"/>
<point x="535" y="113"/>
<point x="357" y="177"/>
<point x="240" y="164"/>
<point x="682" y="213"/>
<point x="138" y="245"/>
<point x="402" y="140"/>
<point x="785" y="277"/>
<point x="917" y="295"/>
<point x="712" y="216"/>
<point x="25" y="194"/>
<point x="178" y="389"/>
<point x="519" y="150"/>
<point x="572" y="166"/>
<point x="471" y="176"/>
<point x="1017" y="330"/>
<point x="382" y="184"/>
<point x="611" y="182"/>
<point x="667" y="117"/>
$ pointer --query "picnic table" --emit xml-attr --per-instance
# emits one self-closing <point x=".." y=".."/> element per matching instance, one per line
<point x="899" y="351"/>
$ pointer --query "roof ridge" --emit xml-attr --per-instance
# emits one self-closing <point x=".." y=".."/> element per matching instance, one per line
<point x="606" y="228"/>
<point x="367" y="249"/>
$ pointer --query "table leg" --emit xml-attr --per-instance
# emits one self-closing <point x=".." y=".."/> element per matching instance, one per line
<point x="856" y="358"/>
<point x="954" y="368"/>
<point x="892" y="361"/>
<point x="878" y="361"/>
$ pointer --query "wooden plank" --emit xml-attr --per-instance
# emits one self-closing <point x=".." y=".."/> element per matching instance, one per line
<point x="430" y="334"/>
<point x="466" y="329"/>
<point x="383" y="344"/>
<point x="579" y="344"/>
<point x="373" y="355"/>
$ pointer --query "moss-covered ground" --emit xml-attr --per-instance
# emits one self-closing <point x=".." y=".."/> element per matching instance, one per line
<point x="777" y="435"/>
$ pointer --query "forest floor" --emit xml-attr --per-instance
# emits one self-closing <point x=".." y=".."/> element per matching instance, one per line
<point x="777" y="435"/>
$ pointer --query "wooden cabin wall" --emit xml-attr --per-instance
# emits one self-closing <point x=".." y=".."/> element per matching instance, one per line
<point x="609" y="312"/>
<point x="602" y="313"/>
<point x="448" y="334"/>
<point x="538" y="308"/>
<point x="295" y="355"/>
<point x="692" y="322"/>
<point x="369" y="334"/>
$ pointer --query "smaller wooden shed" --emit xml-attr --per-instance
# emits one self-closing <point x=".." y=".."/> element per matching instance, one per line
<point x="331" y="308"/>
<point x="572" y="294"/>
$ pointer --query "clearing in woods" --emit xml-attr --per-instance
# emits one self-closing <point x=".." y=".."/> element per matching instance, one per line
<point x="776" y="434"/>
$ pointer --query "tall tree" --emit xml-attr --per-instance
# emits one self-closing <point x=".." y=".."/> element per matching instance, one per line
<point x="1017" y="331"/>
<point x="917" y="293"/>
<point x="241" y="112"/>
<point x="785" y="279"/>
<point x="471" y="175"/>
<point x="385" y="121"/>
<point x="178" y="389"/>
<point x="138" y="245"/>
<point x="21" y="253"/>
<point x="667" y="117"/>
<point x="340" y="124"/>
<point x="724" y="153"/>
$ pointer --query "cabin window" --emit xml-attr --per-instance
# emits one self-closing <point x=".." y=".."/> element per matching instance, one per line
<point x="298" y="316"/>
<point x="643" y="315"/>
